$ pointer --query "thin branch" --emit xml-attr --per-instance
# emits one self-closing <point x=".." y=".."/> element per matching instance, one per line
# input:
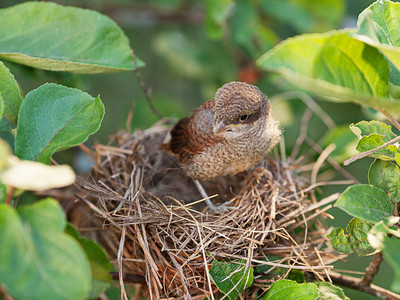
<point x="372" y="269"/>
<point x="366" y="153"/>
<point x="390" y="118"/>
<point x="331" y="161"/>
<point x="354" y="283"/>
<point x="146" y="91"/>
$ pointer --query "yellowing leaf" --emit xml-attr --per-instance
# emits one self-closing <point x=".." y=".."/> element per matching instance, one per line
<point x="35" y="176"/>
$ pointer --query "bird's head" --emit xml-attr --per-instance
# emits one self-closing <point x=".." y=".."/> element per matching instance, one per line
<point x="240" y="108"/>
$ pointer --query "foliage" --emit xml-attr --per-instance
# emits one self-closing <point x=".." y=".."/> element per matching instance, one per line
<point x="360" y="66"/>
<point x="232" y="278"/>
<point x="38" y="259"/>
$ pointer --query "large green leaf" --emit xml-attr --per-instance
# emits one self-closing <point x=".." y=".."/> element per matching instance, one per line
<point x="53" y="37"/>
<point x="54" y="117"/>
<point x="366" y="202"/>
<point x="379" y="27"/>
<point x="11" y="96"/>
<point x="100" y="265"/>
<point x="37" y="259"/>
<point x="335" y="66"/>
<point x="231" y="278"/>
<point x="355" y="241"/>
<point x="386" y="176"/>
<point x="290" y="290"/>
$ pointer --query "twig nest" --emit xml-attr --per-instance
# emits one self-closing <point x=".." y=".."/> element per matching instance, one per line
<point x="157" y="225"/>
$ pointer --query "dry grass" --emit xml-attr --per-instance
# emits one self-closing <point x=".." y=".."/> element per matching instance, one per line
<point x="156" y="224"/>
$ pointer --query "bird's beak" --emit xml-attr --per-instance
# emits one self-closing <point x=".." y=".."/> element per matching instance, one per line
<point x="221" y="127"/>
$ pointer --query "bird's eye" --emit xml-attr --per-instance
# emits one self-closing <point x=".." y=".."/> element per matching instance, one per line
<point x="243" y="118"/>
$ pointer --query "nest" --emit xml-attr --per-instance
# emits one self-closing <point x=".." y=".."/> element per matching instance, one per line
<point x="158" y="228"/>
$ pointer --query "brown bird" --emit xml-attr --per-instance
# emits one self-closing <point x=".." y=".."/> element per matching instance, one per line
<point x="226" y="135"/>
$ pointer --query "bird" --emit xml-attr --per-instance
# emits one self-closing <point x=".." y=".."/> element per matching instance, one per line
<point x="226" y="135"/>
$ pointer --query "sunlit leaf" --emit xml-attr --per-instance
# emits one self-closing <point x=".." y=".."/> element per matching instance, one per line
<point x="379" y="27"/>
<point x="49" y="36"/>
<point x="335" y="66"/>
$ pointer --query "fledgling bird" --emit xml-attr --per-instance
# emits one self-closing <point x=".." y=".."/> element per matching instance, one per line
<point x="226" y="135"/>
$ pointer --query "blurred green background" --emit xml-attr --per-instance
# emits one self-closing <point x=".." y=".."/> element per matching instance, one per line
<point x="192" y="47"/>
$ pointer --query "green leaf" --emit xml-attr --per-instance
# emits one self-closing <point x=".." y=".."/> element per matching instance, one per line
<point x="328" y="291"/>
<point x="366" y="128"/>
<point x="216" y="14"/>
<point x="379" y="27"/>
<point x="100" y="265"/>
<point x="356" y="241"/>
<point x="287" y="289"/>
<point x="11" y="98"/>
<point x="54" y="117"/>
<point x="372" y="135"/>
<point x="231" y="278"/>
<point x="245" y="22"/>
<point x="335" y="66"/>
<point x="386" y="176"/>
<point x="392" y="256"/>
<point x="306" y="15"/>
<point x="365" y="202"/>
<point x="37" y="259"/>
<point x="49" y="36"/>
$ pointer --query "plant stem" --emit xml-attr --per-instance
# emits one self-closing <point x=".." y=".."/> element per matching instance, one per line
<point x="146" y="91"/>
<point x="354" y="283"/>
<point x="366" y="153"/>
<point x="372" y="269"/>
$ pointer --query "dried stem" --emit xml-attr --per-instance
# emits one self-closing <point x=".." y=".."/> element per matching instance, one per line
<point x="366" y="153"/>
<point x="146" y="91"/>
<point x="390" y="118"/>
<point x="372" y="269"/>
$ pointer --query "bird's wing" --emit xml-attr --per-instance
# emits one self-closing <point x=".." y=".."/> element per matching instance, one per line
<point x="193" y="134"/>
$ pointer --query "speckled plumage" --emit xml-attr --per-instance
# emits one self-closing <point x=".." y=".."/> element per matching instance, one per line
<point x="226" y="135"/>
